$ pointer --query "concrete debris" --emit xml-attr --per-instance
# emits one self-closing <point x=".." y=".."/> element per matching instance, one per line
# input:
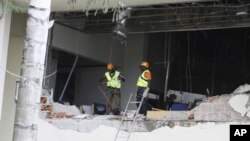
<point x="168" y="115"/>
<point x="67" y="109"/>
<point x="239" y="104"/>
<point x="226" y="107"/>
<point x="248" y="114"/>
<point x="203" y="131"/>
<point x="57" y="115"/>
<point x="242" y="89"/>
<point x="87" y="109"/>
<point x="83" y="116"/>
<point x="46" y="107"/>
<point x="46" y="104"/>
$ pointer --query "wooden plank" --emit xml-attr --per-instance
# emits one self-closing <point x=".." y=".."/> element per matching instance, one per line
<point x="156" y="115"/>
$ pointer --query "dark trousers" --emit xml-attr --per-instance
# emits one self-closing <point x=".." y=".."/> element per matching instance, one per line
<point x="113" y="97"/>
<point x="143" y="109"/>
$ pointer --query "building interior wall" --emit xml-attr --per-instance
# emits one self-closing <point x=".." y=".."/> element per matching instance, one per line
<point x="96" y="47"/>
<point x="86" y="79"/>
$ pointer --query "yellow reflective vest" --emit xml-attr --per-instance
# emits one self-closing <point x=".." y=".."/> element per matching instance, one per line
<point x="142" y="81"/>
<point x="114" y="81"/>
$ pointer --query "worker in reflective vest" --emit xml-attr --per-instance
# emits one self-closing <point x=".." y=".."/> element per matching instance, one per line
<point x="142" y="83"/>
<point x="113" y="79"/>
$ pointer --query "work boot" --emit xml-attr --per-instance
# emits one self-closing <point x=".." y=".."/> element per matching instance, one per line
<point x="116" y="111"/>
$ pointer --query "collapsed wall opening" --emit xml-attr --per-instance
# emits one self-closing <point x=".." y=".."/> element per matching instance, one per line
<point x="69" y="79"/>
<point x="208" y="62"/>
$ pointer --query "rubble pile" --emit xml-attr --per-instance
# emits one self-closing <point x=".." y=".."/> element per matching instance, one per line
<point x="218" y="108"/>
<point x="61" y="111"/>
<point x="50" y="109"/>
<point x="46" y="104"/>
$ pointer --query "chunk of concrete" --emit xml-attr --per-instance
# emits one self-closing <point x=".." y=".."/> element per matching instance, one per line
<point x="242" y="89"/>
<point x="239" y="102"/>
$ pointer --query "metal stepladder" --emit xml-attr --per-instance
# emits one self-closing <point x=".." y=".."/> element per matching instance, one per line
<point x="119" y="133"/>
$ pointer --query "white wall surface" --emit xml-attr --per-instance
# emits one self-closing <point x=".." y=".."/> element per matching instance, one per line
<point x="96" y="47"/>
<point x="16" y="43"/>
<point x="9" y="106"/>
<point x="4" y="41"/>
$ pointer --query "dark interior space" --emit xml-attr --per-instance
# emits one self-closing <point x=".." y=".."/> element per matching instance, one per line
<point x="211" y="62"/>
<point x="65" y="83"/>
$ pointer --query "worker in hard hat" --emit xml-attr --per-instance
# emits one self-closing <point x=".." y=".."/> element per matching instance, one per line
<point x="113" y="79"/>
<point x="143" y="82"/>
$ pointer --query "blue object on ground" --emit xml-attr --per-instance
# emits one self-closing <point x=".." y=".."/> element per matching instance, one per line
<point x="99" y="108"/>
<point x="179" y="107"/>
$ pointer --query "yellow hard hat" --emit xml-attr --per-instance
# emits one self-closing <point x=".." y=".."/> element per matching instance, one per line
<point x="145" y="64"/>
<point x="110" y="66"/>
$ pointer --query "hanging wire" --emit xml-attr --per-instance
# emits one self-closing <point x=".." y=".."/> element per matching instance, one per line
<point x="188" y="68"/>
<point x="213" y="71"/>
<point x="205" y="15"/>
<point x="244" y="50"/>
<point x="180" y="69"/>
<point x="19" y="76"/>
<point x="167" y="40"/>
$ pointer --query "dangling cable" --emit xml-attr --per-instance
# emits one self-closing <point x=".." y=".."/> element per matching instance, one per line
<point x="213" y="71"/>
<point x="167" y="39"/>
<point x="189" y="65"/>
<point x="188" y="69"/>
<point x="180" y="73"/>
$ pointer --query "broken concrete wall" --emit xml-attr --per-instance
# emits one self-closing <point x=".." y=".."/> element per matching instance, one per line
<point x="217" y="108"/>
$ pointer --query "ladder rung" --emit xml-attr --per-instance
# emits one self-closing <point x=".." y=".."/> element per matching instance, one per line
<point x="131" y="110"/>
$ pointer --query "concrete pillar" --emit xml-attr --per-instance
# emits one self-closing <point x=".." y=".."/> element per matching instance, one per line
<point x="4" y="42"/>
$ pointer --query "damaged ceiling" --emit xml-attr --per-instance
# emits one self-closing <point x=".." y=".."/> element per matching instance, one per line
<point x="165" y="17"/>
<point x="81" y="5"/>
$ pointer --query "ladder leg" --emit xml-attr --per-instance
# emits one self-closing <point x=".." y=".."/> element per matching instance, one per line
<point x="134" y="119"/>
<point x="123" y="116"/>
<point x="145" y="93"/>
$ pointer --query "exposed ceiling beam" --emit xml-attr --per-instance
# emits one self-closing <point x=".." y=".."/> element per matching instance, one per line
<point x="62" y="5"/>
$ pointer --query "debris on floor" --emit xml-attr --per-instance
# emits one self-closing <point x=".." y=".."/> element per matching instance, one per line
<point x="206" y="131"/>
<point x="68" y="109"/>
<point x="56" y="110"/>
<point x="222" y="108"/>
<point x="240" y="103"/>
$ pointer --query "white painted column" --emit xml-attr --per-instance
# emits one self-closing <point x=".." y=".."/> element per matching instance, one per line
<point x="4" y="43"/>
